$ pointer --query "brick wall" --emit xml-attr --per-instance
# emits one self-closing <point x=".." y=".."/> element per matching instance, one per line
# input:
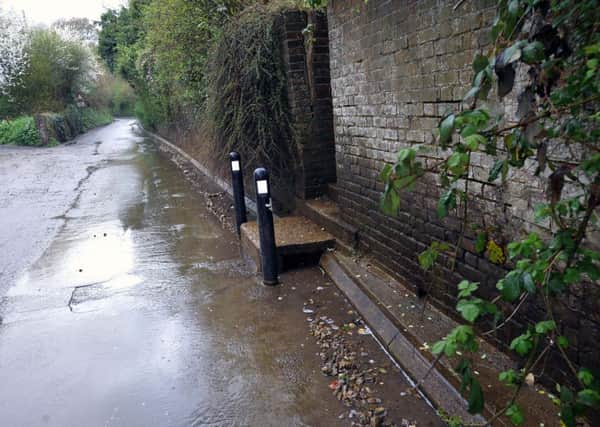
<point x="396" y="67"/>
<point x="309" y="92"/>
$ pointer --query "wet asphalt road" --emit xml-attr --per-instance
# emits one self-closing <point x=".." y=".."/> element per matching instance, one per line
<point x="124" y="302"/>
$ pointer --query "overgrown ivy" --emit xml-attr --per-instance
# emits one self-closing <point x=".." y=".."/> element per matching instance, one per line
<point x="247" y="92"/>
<point x="557" y="44"/>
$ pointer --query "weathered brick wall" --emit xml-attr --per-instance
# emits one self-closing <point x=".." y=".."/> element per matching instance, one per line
<point x="396" y="67"/>
<point x="309" y="92"/>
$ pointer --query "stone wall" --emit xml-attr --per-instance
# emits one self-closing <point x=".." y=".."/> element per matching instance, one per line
<point x="396" y="67"/>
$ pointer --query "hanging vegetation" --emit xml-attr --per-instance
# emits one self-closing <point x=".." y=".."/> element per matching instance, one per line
<point x="247" y="100"/>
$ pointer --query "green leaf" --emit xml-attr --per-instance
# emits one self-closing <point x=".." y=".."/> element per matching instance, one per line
<point x="496" y="169"/>
<point x="446" y="129"/>
<point x="406" y="154"/>
<point x="390" y="202"/>
<point x="585" y="376"/>
<point x="567" y="415"/>
<point x="572" y="275"/>
<point x="510" y="377"/>
<point x="400" y="184"/>
<point x="589" y="397"/>
<point x="479" y="63"/>
<point x="385" y="173"/>
<point x="480" y="242"/>
<point x="545" y="326"/>
<point x="533" y="52"/>
<point x="466" y="288"/>
<point x="522" y="344"/>
<point x="473" y="141"/>
<point x="468" y="309"/>
<point x="528" y="283"/>
<point x="563" y="341"/>
<point x="438" y="347"/>
<point x="475" y="397"/>
<point x="427" y="258"/>
<point x="510" y="55"/>
<point x="515" y="415"/>
<point x="510" y="286"/>
<point x="446" y="202"/>
<point x="472" y="93"/>
<point x="542" y="211"/>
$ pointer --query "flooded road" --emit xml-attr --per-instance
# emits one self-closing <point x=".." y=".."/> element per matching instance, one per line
<point x="124" y="302"/>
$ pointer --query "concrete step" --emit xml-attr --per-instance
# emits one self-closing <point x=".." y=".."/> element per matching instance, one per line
<point x="326" y="213"/>
<point x="299" y="241"/>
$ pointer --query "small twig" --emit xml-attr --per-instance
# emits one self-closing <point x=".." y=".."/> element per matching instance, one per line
<point x="458" y="4"/>
<point x="424" y="377"/>
<point x="508" y="319"/>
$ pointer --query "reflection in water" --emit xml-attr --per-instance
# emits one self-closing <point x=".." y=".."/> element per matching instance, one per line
<point x="101" y="253"/>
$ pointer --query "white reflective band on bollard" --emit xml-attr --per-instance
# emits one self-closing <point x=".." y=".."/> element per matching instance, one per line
<point x="262" y="187"/>
<point x="235" y="165"/>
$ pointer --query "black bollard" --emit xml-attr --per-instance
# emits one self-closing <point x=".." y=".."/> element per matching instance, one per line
<point x="266" y="230"/>
<point x="237" y="182"/>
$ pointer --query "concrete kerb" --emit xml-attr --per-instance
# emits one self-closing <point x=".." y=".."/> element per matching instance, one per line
<point x="436" y="387"/>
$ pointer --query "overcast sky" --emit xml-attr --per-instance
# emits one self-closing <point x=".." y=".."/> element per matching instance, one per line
<point x="48" y="11"/>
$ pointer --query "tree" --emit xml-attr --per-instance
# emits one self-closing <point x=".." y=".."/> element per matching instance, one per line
<point x="57" y="72"/>
<point x="13" y="44"/>
<point x="81" y="29"/>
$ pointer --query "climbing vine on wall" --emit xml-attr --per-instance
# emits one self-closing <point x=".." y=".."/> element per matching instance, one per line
<point x="548" y="53"/>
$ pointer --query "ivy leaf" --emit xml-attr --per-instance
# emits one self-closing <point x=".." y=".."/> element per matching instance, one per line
<point x="514" y="413"/>
<point x="510" y="55"/>
<point x="522" y="344"/>
<point x="475" y="397"/>
<point x="545" y="326"/>
<point x="533" y="52"/>
<point x="446" y="129"/>
<point x="468" y="309"/>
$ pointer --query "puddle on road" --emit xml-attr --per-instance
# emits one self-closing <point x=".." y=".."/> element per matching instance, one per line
<point x="165" y="324"/>
<point x="162" y="325"/>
